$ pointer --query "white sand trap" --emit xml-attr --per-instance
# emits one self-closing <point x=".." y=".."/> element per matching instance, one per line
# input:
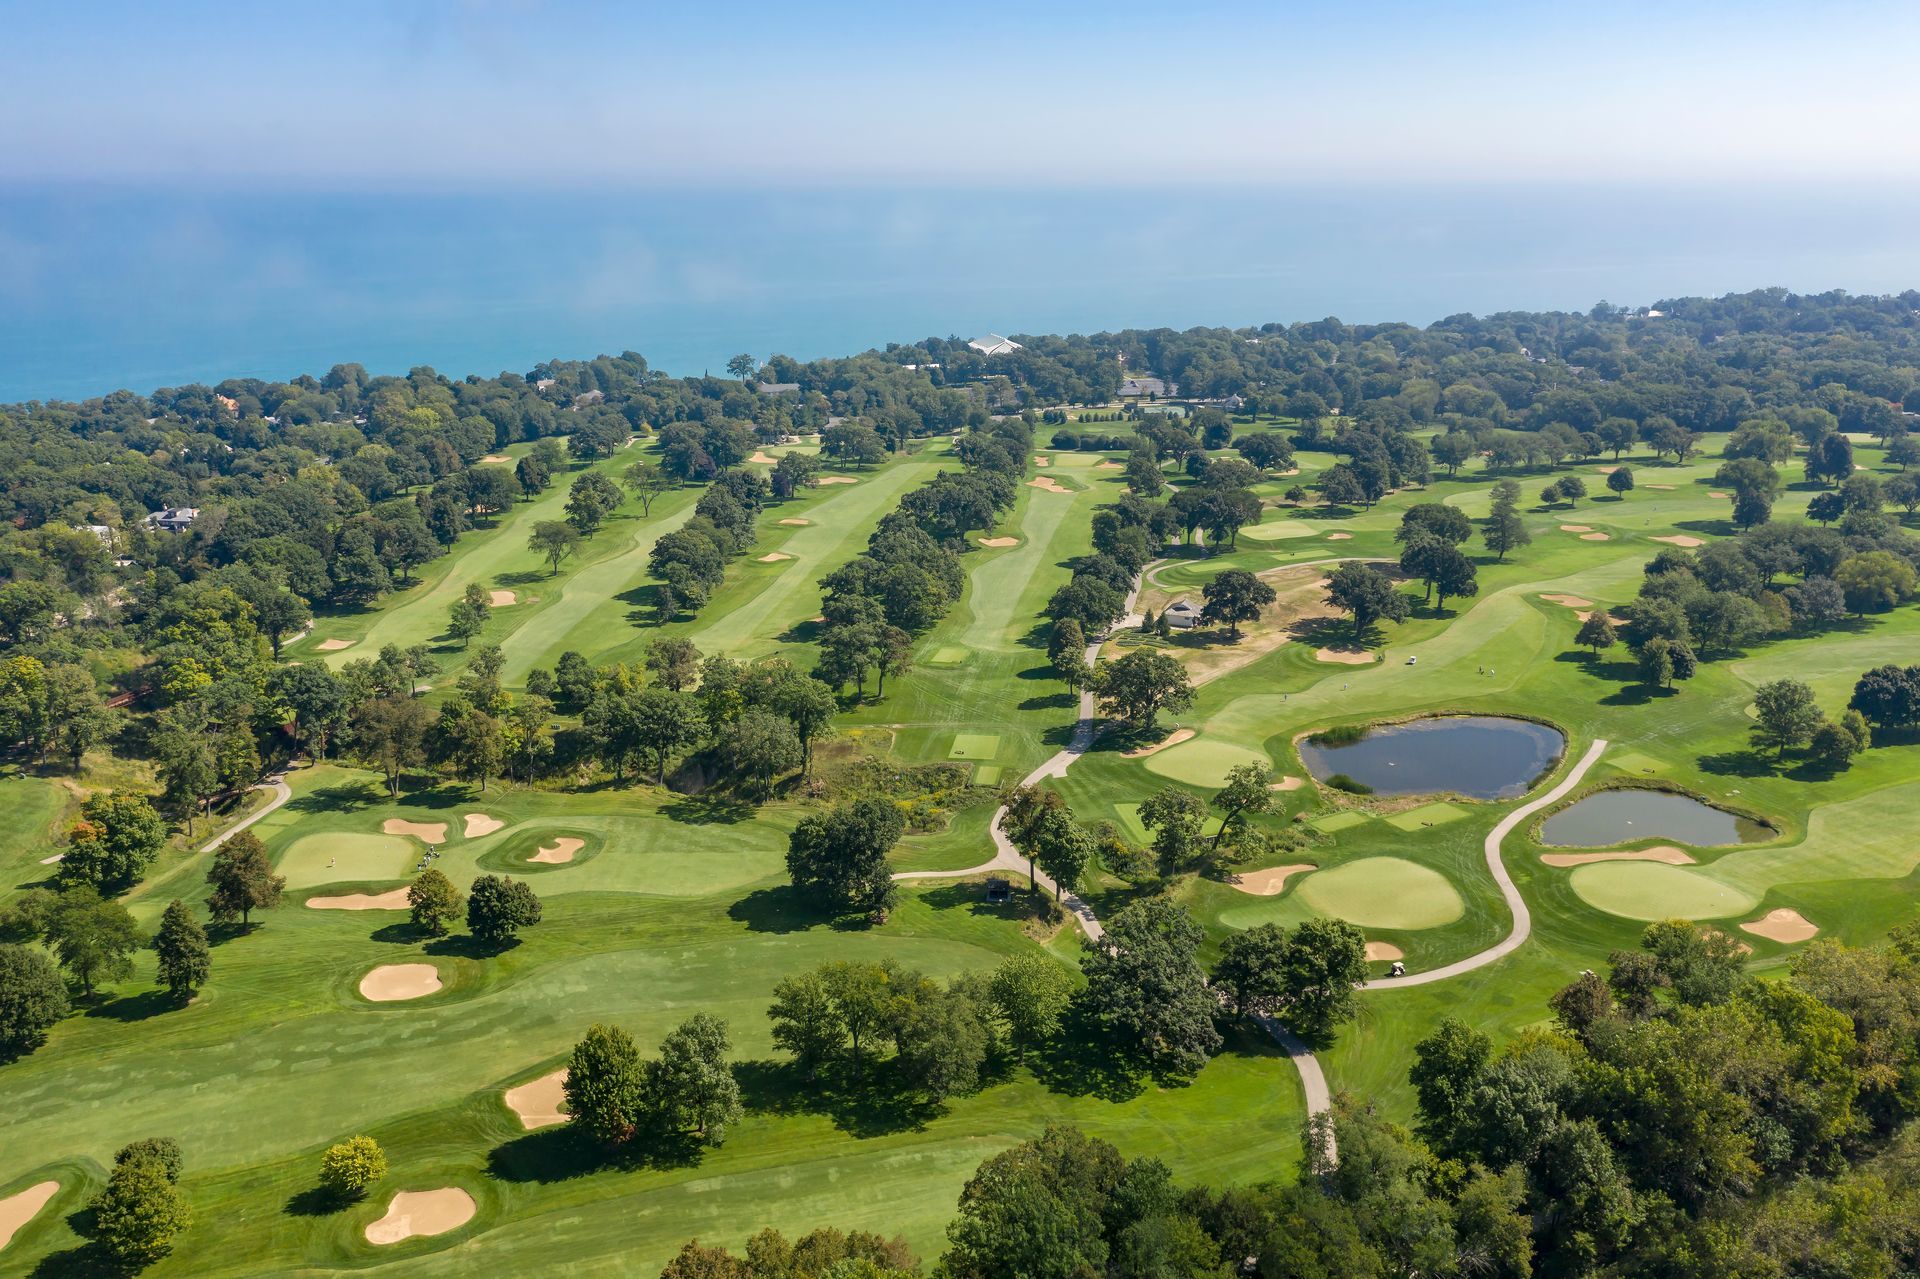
<point x="1576" y="528"/>
<point x="1679" y="539"/>
<point x="1665" y="488"/>
<point x="49" y="861"/>
<point x="1288" y="783"/>
<point x="1384" y="951"/>
<point x="1570" y="601"/>
<point x="1658" y="853"/>
<point x="561" y="853"/>
<point x="1269" y="882"/>
<point x="538" y="1102"/>
<point x="1339" y="537"/>
<point x="1049" y="484"/>
<point x="1141" y="752"/>
<point x="839" y="479"/>
<point x="432" y="832"/>
<point x="495" y="458"/>
<point x="795" y="522"/>
<point x="1110" y="465"/>
<point x="1043" y="461"/>
<point x="773" y="557"/>
<point x="16" y="1210"/>
<point x="1596" y="537"/>
<point x="503" y="599"/>
<point x="333" y="646"/>
<point x="479" y="824"/>
<point x="1713" y="493"/>
<point x="760" y="456"/>
<point x="392" y="982"/>
<point x="393" y="899"/>
<point x="416" y="1213"/>
<point x="997" y="542"/>
<point x="1345" y="656"/>
<point x="1606" y="470"/>
<point x="1783" y="925"/>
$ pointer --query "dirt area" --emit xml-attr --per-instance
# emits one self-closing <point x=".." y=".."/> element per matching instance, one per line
<point x="1384" y="952"/>
<point x="1048" y="483"/>
<point x="1784" y="925"/>
<point x="1269" y="882"/>
<point x="560" y="853"/>
<point x="503" y="599"/>
<point x="538" y="1101"/>
<point x="1679" y="539"/>
<point x="479" y="824"/>
<point x="431" y="832"/>
<point x="773" y="557"/>
<point x="1154" y="748"/>
<point x="1659" y="853"/>
<point x="1569" y="601"/>
<point x="333" y="646"/>
<point x="1345" y="656"/>
<point x="1596" y="537"/>
<point x="392" y="982"/>
<point x="395" y="899"/>
<point x="16" y="1210"/>
<point x="998" y="542"/>
<point x="414" y="1213"/>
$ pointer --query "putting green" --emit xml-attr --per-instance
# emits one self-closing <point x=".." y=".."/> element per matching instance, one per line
<point x="1635" y="762"/>
<point x="1435" y="814"/>
<point x="1652" y="890"/>
<point x="975" y="746"/>
<point x="986" y="774"/>
<point x="947" y="655"/>
<point x="1384" y="892"/>
<point x="345" y="857"/>
<point x="1278" y="530"/>
<point x="1203" y="761"/>
<point x="1344" y="819"/>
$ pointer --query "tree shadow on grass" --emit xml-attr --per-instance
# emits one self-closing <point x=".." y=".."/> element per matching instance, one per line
<point x="1050" y="701"/>
<point x="400" y="934"/>
<point x="1741" y="763"/>
<point x="87" y="1261"/>
<point x="560" y="1154"/>
<point x="1080" y="1061"/>
<point x="130" y="1008"/>
<point x="708" y="808"/>
<point x="347" y="798"/>
<point x="467" y="946"/>
<point x="525" y="577"/>
<point x="314" y="1201"/>
<point x="781" y="909"/>
<point x="873" y="1105"/>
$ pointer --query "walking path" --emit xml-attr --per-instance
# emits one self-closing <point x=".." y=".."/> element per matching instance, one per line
<point x="1313" y="1080"/>
<point x="282" y="792"/>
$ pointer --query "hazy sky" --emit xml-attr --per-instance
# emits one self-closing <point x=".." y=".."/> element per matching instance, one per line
<point x="507" y="94"/>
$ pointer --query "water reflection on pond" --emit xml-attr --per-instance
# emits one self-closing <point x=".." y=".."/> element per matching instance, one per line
<point x="1479" y="756"/>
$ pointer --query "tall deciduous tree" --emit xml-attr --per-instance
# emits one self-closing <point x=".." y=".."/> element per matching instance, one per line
<point x="1235" y="596"/>
<point x="1146" y="986"/>
<point x="690" y="1085"/>
<point x="242" y="879"/>
<point x="498" y="908"/>
<point x="839" y="858"/>
<point x="94" y="938"/>
<point x="605" y="1088"/>
<point x="433" y="903"/>
<point x="180" y="944"/>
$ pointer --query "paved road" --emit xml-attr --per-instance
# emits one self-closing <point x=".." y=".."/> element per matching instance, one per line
<point x="277" y="783"/>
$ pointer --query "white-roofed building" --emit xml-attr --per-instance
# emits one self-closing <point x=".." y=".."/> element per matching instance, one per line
<point x="994" y="344"/>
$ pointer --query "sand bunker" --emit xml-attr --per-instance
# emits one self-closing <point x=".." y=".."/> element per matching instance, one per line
<point x="16" y="1210"/>
<point x="1043" y="461"/>
<point x="1345" y="656"/>
<point x="1384" y="951"/>
<point x="1679" y="539"/>
<point x="1606" y="470"/>
<point x="1596" y="537"/>
<point x="390" y="982"/>
<point x="503" y="599"/>
<point x="1174" y="739"/>
<point x="496" y="458"/>
<point x="1659" y="853"/>
<point x="998" y="542"/>
<point x="1783" y="925"/>
<point x="1048" y="483"/>
<point x="1711" y="493"/>
<point x="1288" y="783"/>
<point x="1109" y="465"/>
<point x="1269" y="882"/>
<point x="334" y="646"/>
<point x="1570" y="601"/>
<point x="538" y="1102"/>
<point x="431" y="832"/>
<point x="1339" y="537"/>
<point x="760" y="456"/>
<point x="561" y="853"/>
<point x="414" y="1213"/>
<point x="393" y="899"/>
<point x="1665" y="488"/>
<point x="49" y="861"/>
<point x="479" y="824"/>
<point x="1576" y="528"/>
<point x="838" y="479"/>
<point x="772" y="557"/>
<point x="796" y="522"/>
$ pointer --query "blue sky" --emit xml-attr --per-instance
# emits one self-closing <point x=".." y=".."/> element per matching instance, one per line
<point x="518" y="93"/>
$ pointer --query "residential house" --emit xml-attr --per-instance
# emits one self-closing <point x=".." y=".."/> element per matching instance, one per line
<point x="1182" y="615"/>
<point x="174" y="519"/>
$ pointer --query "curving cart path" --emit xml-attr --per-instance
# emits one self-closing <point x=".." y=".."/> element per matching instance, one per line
<point x="277" y="783"/>
<point x="1313" y="1080"/>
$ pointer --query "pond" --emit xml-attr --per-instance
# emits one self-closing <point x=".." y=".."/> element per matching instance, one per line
<point x="1617" y="816"/>
<point x="1479" y="756"/>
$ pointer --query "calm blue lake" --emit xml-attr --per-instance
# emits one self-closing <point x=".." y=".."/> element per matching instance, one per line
<point x="102" y="288"/>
